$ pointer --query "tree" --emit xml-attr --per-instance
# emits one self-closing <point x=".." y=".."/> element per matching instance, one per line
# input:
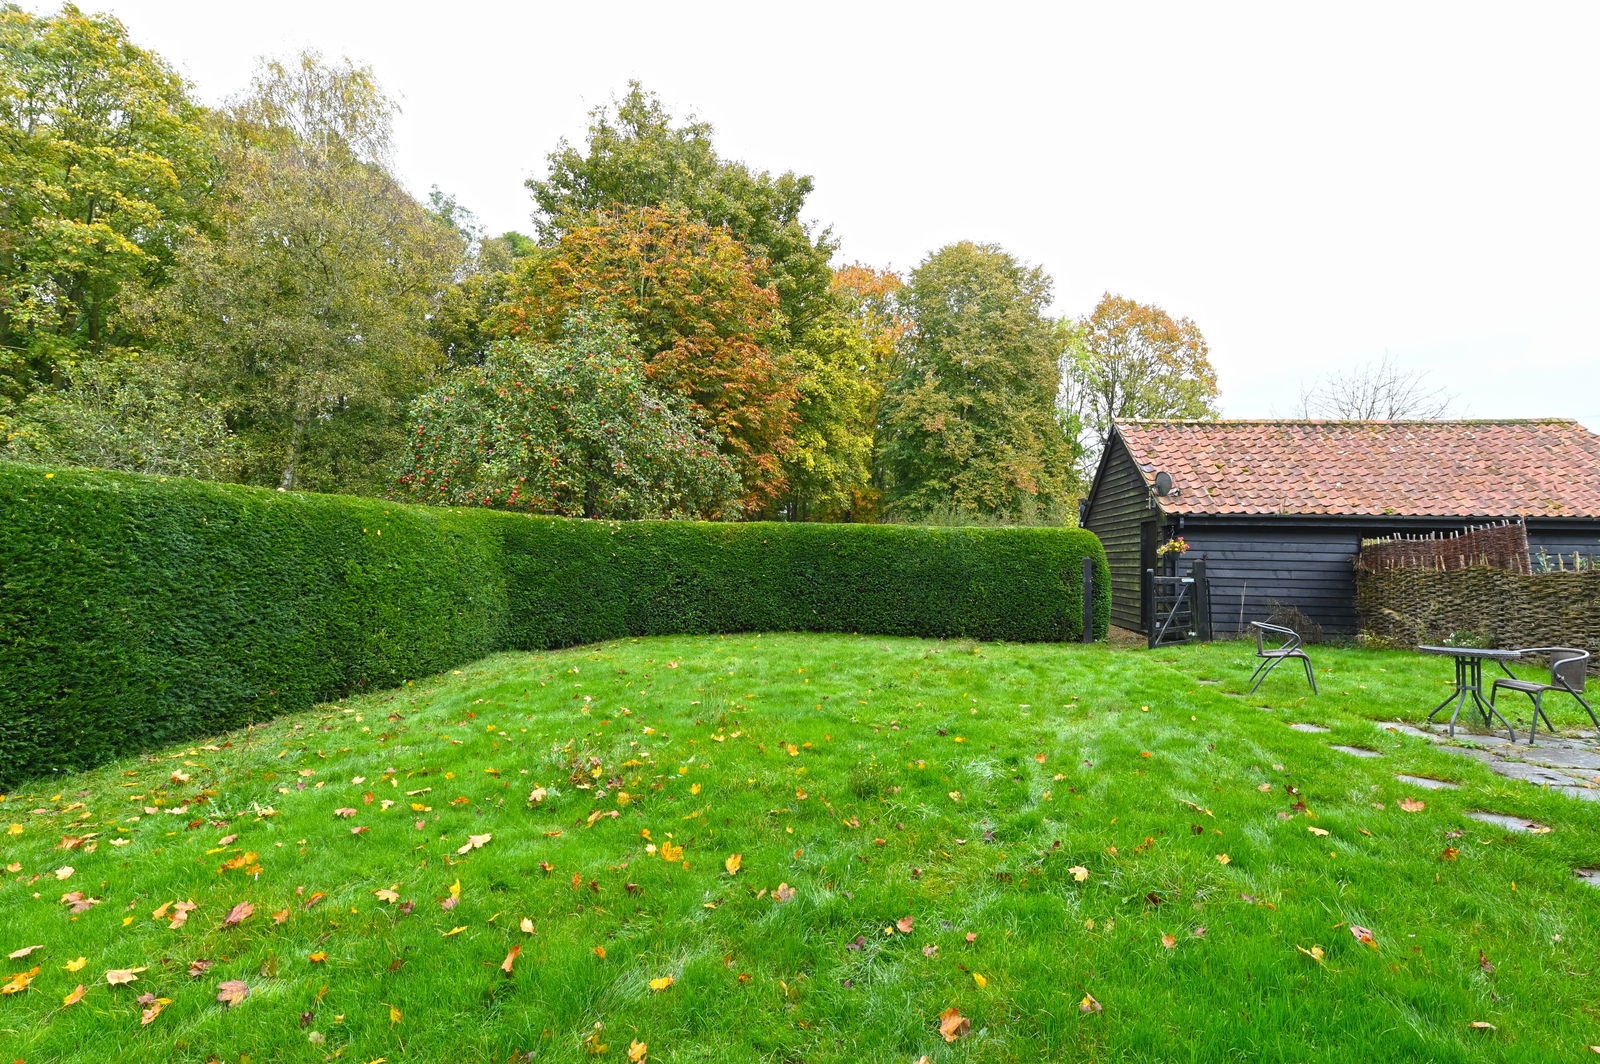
<point x="689" y="296"/>
<point x="105" y="163"/>
<point x="635" y="157"/>
<point x="970" y="421"/>
<point x="1376" y="390"/>
<point x="1132" y="360"/>
<point x="130" y="413"/>
<point x="571" y="427"/>
<point x="306" y="312"/>
<point x="871" y="298"/>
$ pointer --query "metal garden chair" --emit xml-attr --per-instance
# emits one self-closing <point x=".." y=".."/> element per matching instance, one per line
<point x="1569" y="668"/>
<point x="1273" y="656"/>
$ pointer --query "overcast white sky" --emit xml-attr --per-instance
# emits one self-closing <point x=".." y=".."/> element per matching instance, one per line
<point x="1315" y="185"/>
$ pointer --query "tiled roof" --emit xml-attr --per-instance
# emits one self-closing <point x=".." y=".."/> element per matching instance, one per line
<point x="1538" y="468"/>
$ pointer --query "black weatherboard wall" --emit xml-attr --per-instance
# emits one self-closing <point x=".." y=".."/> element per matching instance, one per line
<point x="1120" y="510"/>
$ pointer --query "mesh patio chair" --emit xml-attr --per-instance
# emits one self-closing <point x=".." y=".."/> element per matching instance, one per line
<point x="1569" y="668"/>
<point x="1271" y="657"/>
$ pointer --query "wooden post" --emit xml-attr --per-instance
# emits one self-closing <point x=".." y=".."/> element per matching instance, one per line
<point x="1087" y="636"/>
<point x="1202" y="601"/>
<point x="1147" y="607"/>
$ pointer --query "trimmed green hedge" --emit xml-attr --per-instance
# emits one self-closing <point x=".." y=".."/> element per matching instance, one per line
<point x="141" y="610"/>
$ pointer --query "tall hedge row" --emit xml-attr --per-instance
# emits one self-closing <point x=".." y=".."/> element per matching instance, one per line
<point x="140" y="610"/>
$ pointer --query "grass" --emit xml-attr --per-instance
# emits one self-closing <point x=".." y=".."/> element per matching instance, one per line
<point x="877" y="779"/>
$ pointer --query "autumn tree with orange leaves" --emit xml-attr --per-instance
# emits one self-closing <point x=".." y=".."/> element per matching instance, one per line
<point x="1134" y="360"/>
<point x="688" y="294"/>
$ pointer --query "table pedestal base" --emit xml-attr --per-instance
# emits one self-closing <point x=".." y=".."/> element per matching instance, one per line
<point x="1469" y="685"/>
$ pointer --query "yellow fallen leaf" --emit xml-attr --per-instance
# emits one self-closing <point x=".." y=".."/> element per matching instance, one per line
<point x="953" y="1025"/>
<point x="733" y="863"/>
<point x="638" y="1051"/>
<point x="1315" y="953"/>
<point x="661" y="984"/>
<point x="395" y="1015"/>
<point x="670" y="852"/>
<point x="453" y="931"/>
<point x="1316" y="831"/>
<point x="980" y="979"/>
<point x="1223" y="858"/>
<point x="77" y="965"/>
<point x="1079" y="873"/>
<point x="599" y="951"/>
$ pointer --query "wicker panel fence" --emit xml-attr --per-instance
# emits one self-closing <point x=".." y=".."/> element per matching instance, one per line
<point x="1479" y="604"/>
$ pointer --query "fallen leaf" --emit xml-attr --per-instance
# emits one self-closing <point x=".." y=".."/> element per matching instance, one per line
<point x="511" y="958"/>
<point x="1482" y="1026"/>
<point x="1317" y="831"/>
<point x="980" y="979"/>
<point x="474" y="842"/>
<point x="526" y="925"/>
<point x="905" y="923"/>
<point x="1169" y="941"/>
<point x="74" y="997"/>
<point x="232" y="992"/>
<point x="153" y="1007"/>
<point x="316" y="958"/>
<point x="1412" y="805"/>
<point x="386" y="894"/>
<point x="953" y="1025"/>
<point x="784" y="893"/>
<point x="1315" y="953"/>
<point x="637" y="1051"/>
<point x="1079" y="873"/>
<point x="661" y="984"/>
<point x="198" y="967"/>
<point x="238" y="914"/>
<point x="671" y="852"/>
<point x="19" y="982"/>
<point x="18" y="954"/>
<point x="1363" y="935"/>
<point x="77" y="965"/>
<point x="1223" y="858"/>
<point x="452" y="931"/>
<point x="733" y="863"/>
<point x="1089" y="1004"/>
<point x="119" y="976"/>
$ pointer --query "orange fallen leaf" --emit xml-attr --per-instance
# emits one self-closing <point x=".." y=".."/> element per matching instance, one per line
<point x="232" y="992"/>
<point x="1169" y="941"/>
<point x="638" y="1051"/>
<point x="511" y="958"/>
<point x="905" y="924"/>
<point x="733" y="863"/>
<point x="953" y="1025"/>
<point x="316" y="958"/>
<point x="599" y="951"/>
<point x="1413" y="805"/>
<point x="152" y="1010"/>
<point x="73" y="998"/>
<point x="19" y="982"/>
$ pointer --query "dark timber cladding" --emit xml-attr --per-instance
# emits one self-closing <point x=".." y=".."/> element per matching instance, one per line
<point x="1278" y="509"/>
<point x="1118" y="505"/>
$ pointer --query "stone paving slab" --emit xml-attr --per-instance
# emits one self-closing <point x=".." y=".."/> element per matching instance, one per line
<point x="1510" y="823"/>
<point x="1300" y="726"/>
<point x="1569" y="765"/>
<point x="1354" y="751"/>
<point x="1427" y="783"/>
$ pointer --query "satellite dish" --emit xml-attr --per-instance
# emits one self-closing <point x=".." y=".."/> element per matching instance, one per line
<point x="1163" y="483"/>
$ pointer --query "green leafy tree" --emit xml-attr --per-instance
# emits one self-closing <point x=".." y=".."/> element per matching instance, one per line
<point x="1134" y="360"/>
<point x="970" y="422"/>
<point x="306" y="312"/>
<point x="129" y="413"/>
<point x="572" y="426"/>
<point x="688" y="293"/>
<point x="105" y="163"/>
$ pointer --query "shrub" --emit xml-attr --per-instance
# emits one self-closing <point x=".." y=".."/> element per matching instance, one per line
<point x="140" y="610"/>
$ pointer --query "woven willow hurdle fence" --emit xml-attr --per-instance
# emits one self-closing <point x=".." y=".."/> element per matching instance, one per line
<point x="1474" y="588"/>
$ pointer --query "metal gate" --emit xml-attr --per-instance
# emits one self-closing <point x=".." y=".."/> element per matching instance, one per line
<point x="1177" y="608"/>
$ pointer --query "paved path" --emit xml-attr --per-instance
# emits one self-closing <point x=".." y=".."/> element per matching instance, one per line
<point x="1570" y="765"/>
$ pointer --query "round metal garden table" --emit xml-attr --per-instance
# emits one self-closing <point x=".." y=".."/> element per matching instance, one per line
<point x="1469" y="682"/>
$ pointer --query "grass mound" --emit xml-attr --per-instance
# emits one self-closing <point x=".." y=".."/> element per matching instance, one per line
<point x="806" y="848"/>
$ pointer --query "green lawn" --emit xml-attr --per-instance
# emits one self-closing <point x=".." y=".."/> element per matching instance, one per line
<point x="1044" y="822"/>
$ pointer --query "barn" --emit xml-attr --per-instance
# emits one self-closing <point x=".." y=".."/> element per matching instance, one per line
<point x="1278" y="509"/>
